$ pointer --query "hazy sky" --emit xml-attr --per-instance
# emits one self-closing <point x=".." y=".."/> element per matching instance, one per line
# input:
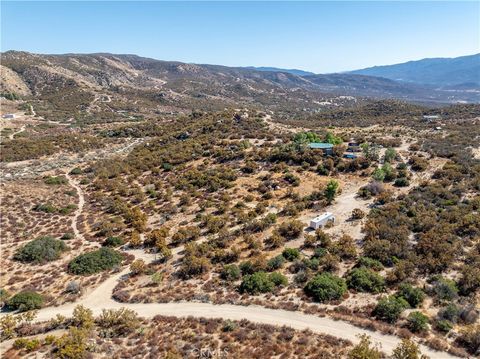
<point x="314" y="36"/>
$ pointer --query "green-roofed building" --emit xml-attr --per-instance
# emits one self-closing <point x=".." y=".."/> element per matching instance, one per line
<point x="327" y="148"/>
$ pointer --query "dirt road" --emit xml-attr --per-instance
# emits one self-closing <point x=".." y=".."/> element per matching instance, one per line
<point x="78" y="211"/>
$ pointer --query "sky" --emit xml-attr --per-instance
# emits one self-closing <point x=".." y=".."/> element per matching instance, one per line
<point x="320" y="37"/>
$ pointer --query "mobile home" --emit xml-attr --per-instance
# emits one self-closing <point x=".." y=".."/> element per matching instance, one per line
<point x="322" y="220"/>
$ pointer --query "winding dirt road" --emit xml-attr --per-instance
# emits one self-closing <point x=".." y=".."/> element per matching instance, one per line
<point x="78" y="211"/>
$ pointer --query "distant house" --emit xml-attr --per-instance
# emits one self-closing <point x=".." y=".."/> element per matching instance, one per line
<point x="9" y="115"/>
<point x="327" y="148"/>
<point x="429" y="118"/>
<point x="322" y="220"/>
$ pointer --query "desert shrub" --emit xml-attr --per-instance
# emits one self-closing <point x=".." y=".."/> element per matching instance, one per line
<point x="275" y="263"/>
<point x="369" y="263"/>
<point x="331" y="190"/>
<point x="365" y="280"/>
<point x="290" y="254"/>
<point x="229" y="326"/>
<point x="55" y="180"/>
<point x="113" y="242"/>
<point x="390" y="308"/>
<point x="193" y="265"/>
<point x="470" y="338"/>
<point x="255" y="283"/>
<point x="67" y="236"/>
<point x="357" y="213"/>
<point x="417" y="322"/>
<point x="27" y="344"/>
<point x="278" y="279"/>
<point x="117" y="322"/>
<point x="291" y="229"/>
<point x="443" y="325"/>
<point x="407" y="349"/>
<point x="326" y="287"/>
<point x="230" y="272"/>
<point x="401" y="182"/>
<point x="364" y="349"/>
<point x="414" y="296"/>
<point x="445" y="289"/>
<point x="72" y="345"/>
<point x="45" y="207"/>
<point x="26" y="300"/>
<point x="96" y="261"/>
<point x="418" y="163"/>
<point x="73" y="287"/>
<point x="40" y="250"/>
<point x="138" y="266"/>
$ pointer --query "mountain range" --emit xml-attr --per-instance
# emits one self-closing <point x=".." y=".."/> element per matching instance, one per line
<point x="130" y="81"/>
<point x="454" y="73"/>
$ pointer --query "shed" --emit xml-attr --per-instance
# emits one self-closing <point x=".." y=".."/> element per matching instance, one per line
<point x="9" y="115"/>
<point x="327" y="148"/>
<point x="321" y="220"/>
<point x="350" y="156"/>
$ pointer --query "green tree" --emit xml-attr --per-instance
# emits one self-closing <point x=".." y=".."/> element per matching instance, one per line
<point x="326" y="287"/>
<point x="331" y="190"/>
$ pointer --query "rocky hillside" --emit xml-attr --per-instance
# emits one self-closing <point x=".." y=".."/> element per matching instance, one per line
<point x="99" y="85"/>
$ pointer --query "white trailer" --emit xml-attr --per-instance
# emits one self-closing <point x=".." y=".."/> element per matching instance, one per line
<point x="322" y="220"/>
<point x="9" y="115"/>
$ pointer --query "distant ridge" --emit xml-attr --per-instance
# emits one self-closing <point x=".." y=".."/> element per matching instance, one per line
<point x="459" y="72"/>
<point x="277" y="69"/>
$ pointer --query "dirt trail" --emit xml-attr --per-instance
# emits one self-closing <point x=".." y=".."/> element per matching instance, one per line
<point x="296" y="320"/>
<point x="12" y="135"/>
<point x="78" y="211"/>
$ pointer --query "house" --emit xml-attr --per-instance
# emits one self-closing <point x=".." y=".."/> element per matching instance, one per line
<point x="322" y="220"/>
<point x="327" y="148"/>
<point x="9" y="115"/>
<point x="429" y="118"/>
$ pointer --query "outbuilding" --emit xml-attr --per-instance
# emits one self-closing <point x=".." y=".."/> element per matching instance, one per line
<point x="322" y="220"/>
<point x="9" y="115"/>
<point x="327" y="148"/>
